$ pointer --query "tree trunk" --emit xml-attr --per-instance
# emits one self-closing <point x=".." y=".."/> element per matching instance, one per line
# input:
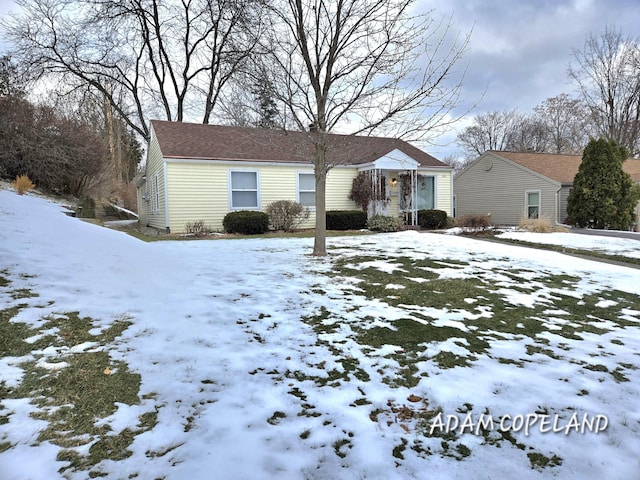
<point x="319" y="245"/>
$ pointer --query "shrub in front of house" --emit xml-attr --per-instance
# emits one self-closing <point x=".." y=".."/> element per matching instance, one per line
<point x="474" y="220"/>
<point x="539" y="225"/>
<point x="246" y="222"/>
<point x="432" y="219"/>
<point x="346" y="220"/>
<point x="381" y="223"/>
<point x="286" y="215"/>
<point x="197" y="228"/>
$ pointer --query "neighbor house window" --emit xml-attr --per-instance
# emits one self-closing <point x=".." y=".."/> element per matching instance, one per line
<point x="307" y="189"/>
<point x="533" y="204"/>
<point x="243" y="187"/>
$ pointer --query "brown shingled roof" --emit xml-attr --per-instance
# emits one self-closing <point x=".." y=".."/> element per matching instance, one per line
<point x="216" y="142"/>
<point x="562" y="168"/>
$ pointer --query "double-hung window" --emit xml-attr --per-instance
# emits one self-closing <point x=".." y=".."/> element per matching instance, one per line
<point x="533" y="203"/>
<point x="243" y="190"/>
<point x="307" y="189"/>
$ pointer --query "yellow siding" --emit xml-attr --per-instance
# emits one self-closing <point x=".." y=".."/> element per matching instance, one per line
<point x="197" y="191"/>
<point x="443" y="192"/>
<point x="155" y="166"/>
<point x="339" y="182"/>
<point x="200" y="190"/>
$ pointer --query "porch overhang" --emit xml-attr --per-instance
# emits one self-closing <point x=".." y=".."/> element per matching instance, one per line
<point x="394" y="160"/>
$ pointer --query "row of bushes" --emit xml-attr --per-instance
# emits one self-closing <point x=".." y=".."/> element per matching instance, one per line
<point x="286" y="215"/>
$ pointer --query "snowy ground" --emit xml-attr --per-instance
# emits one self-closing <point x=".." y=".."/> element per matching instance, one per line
<point x="610" y="245"/>
<point x="262" y="361"/>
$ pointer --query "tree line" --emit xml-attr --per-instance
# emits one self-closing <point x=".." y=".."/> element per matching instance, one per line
<point x="73" y="145"/>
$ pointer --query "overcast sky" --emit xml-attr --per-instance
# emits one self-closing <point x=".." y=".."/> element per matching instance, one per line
<point x="520" y="49"/>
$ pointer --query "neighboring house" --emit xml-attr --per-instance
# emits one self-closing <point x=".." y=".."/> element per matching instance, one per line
<point x="512" y="186"/>
<point x="201" y="172"/>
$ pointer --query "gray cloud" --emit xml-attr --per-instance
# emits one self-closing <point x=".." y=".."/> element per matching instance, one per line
<point x="520" y="50"/>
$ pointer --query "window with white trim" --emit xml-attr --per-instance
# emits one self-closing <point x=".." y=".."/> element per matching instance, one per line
<point x="307" y="189"/>
<point x="533" y="203"/>
<point x="243" y="190"/>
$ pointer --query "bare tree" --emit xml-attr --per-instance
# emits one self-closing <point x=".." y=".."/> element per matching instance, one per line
<point x="566" y="122"/>
<point x="490" y="131"/>
<point x="368" y="66"/>
<point x="607" y="75"/>
<point x="170" y="59"/>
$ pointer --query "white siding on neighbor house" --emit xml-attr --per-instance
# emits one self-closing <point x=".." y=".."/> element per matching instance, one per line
<point x="496" y="186"/>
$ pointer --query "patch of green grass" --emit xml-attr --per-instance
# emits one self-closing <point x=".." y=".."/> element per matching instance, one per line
<point x="14" y="334"/>
<point x="339" y="444"/>
<point x="410" y="334"/>
<point x="276" y="417"/>
<point x="84" y="388"/>
<point x="539" y="461"/>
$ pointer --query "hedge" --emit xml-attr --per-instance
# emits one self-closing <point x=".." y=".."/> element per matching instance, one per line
<point x="432" y="219"/>
<point x="246" y="222"/>
<point x="346" y="219"/>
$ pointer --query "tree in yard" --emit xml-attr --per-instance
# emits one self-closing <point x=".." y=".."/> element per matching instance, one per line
<point x="369" y="66"/>
<point x="607" y="74"/>
<point x="170" y="59"/>
<point x="603" y="195"/>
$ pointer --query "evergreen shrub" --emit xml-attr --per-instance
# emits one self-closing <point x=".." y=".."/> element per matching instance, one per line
<point x="432" y="219"/>
<point x="381" y="223"/>
<point x="346" y="220"/>
<point x="246" y="222"/>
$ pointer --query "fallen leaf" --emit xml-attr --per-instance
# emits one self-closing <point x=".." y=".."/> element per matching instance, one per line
<point x="414" y="398"/>
<point x="107" y="371"/>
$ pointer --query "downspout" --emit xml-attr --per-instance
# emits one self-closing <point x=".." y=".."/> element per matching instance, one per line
<point x="558" y="205"/>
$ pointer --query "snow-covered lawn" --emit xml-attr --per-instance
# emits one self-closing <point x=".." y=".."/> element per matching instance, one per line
<point x="257" y="360"/>
<point x="610" y="245"/>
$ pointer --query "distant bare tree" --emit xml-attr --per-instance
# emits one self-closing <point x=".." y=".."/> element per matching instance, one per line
<point x="566" y="122"/>
<point x="490" y="131"/>
<point x="530" y="134"/>
<point x="164" y="59"/>
<point x="607" y="75"/>
<point x="366" y="65"/>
